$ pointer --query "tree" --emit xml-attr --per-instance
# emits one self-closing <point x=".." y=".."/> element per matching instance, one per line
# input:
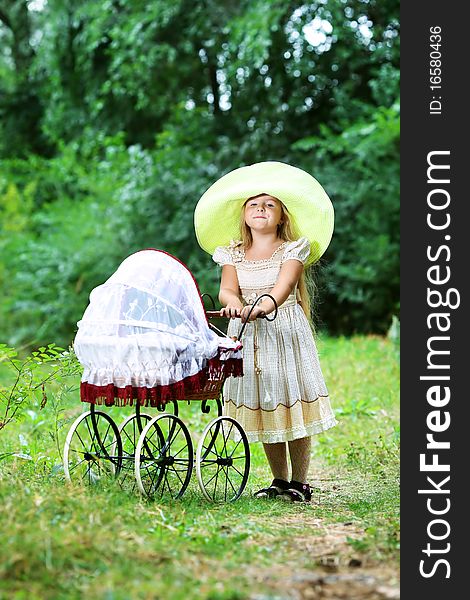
<point x="20" y="108"/>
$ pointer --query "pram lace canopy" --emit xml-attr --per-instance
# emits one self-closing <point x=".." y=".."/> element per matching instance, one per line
<point x="144" y="336"/>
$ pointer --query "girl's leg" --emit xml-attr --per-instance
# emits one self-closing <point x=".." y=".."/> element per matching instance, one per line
<point x="299" y="452"/>
<point x="277" y="458"/>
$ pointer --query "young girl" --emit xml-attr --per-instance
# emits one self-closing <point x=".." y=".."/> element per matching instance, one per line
<point x="282" y="399"/>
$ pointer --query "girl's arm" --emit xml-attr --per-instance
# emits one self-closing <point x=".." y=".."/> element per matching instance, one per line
<point x="289" y="275"/>
<point x="229" y="293"/>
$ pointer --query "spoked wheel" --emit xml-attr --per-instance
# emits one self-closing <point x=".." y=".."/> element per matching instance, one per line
<point x="164" y="457"/>
<point x="93" y="448"/>
<point x="223" y="464"/>
<point x="130" y="430"/>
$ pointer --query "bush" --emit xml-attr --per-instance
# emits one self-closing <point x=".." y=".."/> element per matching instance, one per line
<point x="360" y="170"/>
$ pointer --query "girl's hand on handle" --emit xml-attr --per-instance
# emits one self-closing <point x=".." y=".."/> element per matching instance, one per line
<point x="256" y="312"/>
<point x="231" y="310"/>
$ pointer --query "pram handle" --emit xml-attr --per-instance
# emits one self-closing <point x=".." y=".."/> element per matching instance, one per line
<point x="213" y="314"/>
<point x="216" y="313"/>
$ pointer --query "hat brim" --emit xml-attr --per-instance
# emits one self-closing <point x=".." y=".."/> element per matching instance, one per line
<point x="217" y="214"/>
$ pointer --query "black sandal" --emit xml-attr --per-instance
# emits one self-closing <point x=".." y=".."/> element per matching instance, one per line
<point x="277" y="487"/>
<point x="297" y="492"/>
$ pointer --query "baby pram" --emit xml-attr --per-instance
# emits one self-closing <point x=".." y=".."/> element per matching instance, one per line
<point x="144" y="340"/>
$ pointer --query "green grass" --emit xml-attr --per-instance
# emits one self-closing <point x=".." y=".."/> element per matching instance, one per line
<point x="67" y="541"/>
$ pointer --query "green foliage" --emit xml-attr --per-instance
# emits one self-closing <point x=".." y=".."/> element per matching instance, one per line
<point x="15" y="210"/>
<point x="361" y="166"/>
<point x="48" y="269"/>
<point x="116" y="116"/>
<point x="23" y="382"/>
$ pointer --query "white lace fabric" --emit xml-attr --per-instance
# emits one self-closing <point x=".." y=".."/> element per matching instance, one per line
<point x="145" y="327"/>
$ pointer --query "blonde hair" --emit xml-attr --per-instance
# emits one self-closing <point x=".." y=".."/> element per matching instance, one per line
<point x="287" y="232"/>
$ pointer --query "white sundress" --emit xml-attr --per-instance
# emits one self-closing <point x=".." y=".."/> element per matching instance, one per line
<point x="282" y="395"/>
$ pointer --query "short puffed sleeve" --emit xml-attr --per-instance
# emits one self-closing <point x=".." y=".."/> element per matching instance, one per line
<point x="298" y="250"/>
<point x="222" y="256"/>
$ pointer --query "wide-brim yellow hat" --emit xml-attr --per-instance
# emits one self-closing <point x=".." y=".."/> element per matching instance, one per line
<point x="217" y="214"/>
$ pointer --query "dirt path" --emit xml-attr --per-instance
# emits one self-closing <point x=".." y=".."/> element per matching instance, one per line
<point x="317" y="560"/>
<point x="310" y="554"/>
<point x="322" y="564"/>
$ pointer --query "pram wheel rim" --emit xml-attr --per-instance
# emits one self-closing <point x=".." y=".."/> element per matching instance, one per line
<point x="93" y="445"/>
<point x="160" y="456"/>
<point x="224" y="457"/>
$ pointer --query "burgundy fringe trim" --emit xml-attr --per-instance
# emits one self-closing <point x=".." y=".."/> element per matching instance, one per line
<point x="159" y="396"/>
<point x="232" y="367"/>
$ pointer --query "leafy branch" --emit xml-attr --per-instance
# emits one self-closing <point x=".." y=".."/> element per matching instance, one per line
<point x="29" y="377"/>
